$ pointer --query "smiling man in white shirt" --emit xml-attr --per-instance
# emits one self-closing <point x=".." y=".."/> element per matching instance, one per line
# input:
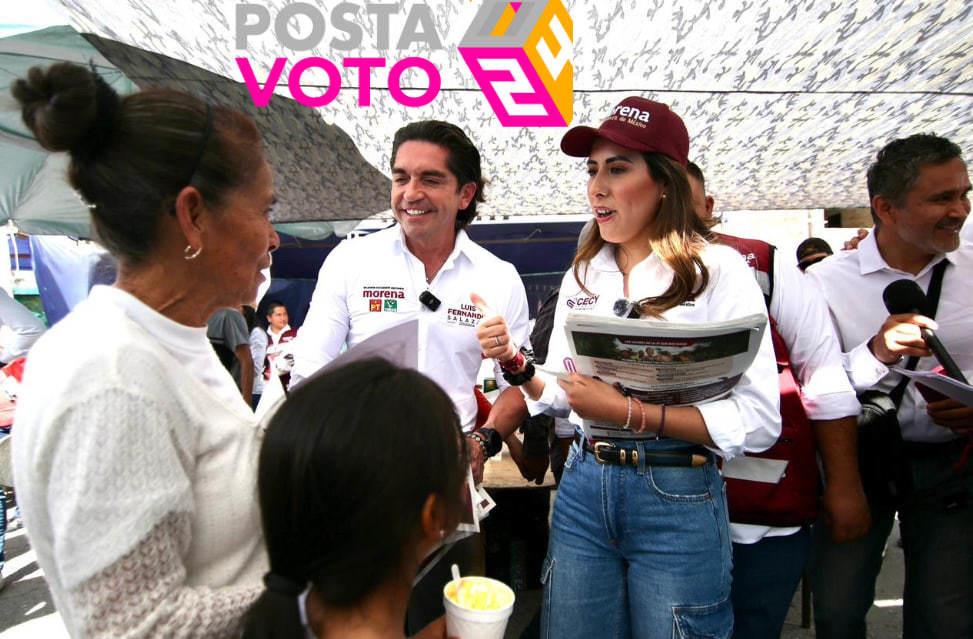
<point x="919" y="188"/>
<point x="424" y="268"/>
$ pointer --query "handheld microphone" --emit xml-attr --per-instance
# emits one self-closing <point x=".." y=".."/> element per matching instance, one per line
<point x="429" y="300"/>
<point x="905" y="296"/>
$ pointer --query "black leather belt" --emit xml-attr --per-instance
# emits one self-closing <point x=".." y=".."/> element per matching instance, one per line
<point x="608" y="452"/>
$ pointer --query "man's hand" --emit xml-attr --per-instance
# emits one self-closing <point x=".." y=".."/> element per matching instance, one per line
<point x="531" y="468"/>
<point x="852" y="243"/>
<point x="846" y="512"/>
<point x="594" y="399"/>
<point x="493" y="333"/>
<point x="476" y="459"/>
<point x="900" y="336"/>
<point x="953" y="415"/>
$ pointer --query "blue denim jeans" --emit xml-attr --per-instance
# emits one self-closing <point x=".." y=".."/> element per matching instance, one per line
<point x="936" y="525"/>
<point x="638" y="552"/>
<point x="765" y="576"/>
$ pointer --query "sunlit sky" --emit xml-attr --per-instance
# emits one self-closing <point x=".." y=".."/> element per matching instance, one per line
<point x="18" y="17"/>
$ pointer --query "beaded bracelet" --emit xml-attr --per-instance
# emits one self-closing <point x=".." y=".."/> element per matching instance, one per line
<point x="628" y="419"/>
<point x="479" y="440"/>
<point x="641" y="414"/>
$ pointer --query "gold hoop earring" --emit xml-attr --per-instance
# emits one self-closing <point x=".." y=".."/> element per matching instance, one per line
<point x="189" y="254"/>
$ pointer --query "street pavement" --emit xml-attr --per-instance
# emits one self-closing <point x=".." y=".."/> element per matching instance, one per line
<point x="27" y="611"/>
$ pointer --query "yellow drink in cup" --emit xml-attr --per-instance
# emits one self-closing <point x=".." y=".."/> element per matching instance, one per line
<point x="477" y="607"/>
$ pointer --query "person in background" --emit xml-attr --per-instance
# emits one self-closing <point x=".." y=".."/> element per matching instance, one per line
<point x="345" y="542"/>
<point x="135" y="455"/>
<point x="811" y="251"/>
<point x="19" y="328"/>
<point x="769" y="560"/>
<point x="258" y="352"/>
<point x="640" y="543"/>
<point x="279" y="333"/>
<point x="227" y="331"/>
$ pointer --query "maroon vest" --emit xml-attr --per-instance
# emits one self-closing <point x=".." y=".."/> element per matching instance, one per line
<point x="794" y="500"/>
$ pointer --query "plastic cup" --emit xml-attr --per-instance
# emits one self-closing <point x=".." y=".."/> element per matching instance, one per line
<point x="484" y="615"/>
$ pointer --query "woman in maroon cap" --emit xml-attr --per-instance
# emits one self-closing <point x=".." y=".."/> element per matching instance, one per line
<point x="640" y="542"/>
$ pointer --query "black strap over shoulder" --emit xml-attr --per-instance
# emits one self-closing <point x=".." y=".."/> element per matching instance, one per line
<point x="932" y="299"/>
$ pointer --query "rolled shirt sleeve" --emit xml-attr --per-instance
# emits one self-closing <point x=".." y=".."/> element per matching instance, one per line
<point x="748" y="420"/>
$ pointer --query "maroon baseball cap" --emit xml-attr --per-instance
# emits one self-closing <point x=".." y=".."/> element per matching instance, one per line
<point x="638" y="124"/>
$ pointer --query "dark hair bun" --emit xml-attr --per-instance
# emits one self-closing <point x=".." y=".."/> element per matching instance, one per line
<point x="67" y="107"/>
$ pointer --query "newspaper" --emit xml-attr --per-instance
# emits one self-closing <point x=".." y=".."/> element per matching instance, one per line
<point x="947" y="386"/>
<point x="661" y="362"/>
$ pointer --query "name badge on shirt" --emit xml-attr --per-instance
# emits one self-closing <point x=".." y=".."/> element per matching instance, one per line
<point x="463" y="315"/>
<point x="383" y="299"/>
<point x="581" y="302"/>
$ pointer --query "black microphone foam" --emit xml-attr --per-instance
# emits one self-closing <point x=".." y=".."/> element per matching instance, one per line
<point x="904" y="296"/>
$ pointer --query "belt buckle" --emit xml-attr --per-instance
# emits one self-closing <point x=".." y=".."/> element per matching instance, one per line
<point x="601" y="447"/>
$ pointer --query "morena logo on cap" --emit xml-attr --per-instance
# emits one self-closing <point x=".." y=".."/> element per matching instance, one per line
<point x="631" y="112"/>
<point x="635" y="123"/>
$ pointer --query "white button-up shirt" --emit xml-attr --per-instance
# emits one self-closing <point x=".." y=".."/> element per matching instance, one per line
<point x="852" y="284"/>
<point x="749" y="418"/>
<point x="369" y="284"/>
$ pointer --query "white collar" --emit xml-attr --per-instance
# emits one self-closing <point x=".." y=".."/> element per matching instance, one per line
<point x="462" y="245"/>
<point x="870" y="259"/>
<point x="605" y="261"/>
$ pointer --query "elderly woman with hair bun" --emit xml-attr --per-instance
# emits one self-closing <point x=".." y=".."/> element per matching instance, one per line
<point x="135" y="456"/>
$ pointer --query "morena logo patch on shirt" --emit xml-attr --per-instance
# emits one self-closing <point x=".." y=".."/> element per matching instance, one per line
<point x="581" y="302"/>
<point x="383" y="299"/>
<point x="463" y="315"/>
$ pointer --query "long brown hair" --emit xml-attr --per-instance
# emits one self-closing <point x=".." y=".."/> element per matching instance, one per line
<point x="678" y="239"/>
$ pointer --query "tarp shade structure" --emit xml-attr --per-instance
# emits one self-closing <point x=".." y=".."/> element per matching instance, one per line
<point x="319" y="174"/>
<point x="309" y="157"/>
<point x="786" y="102"/>
<point x="33" y="188"/>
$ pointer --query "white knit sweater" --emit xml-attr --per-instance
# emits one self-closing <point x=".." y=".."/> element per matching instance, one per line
<point x="135" y="468"/>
